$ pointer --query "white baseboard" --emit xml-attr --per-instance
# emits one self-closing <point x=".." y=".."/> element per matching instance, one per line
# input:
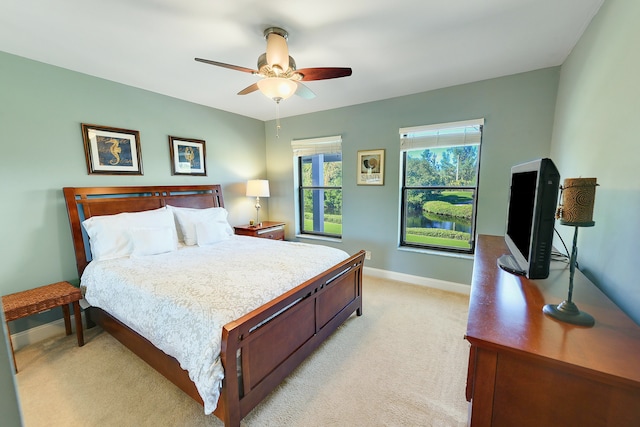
<point x="42" y="332"/>
<point x="48" y="330"/>
<point x="418" y="280"/>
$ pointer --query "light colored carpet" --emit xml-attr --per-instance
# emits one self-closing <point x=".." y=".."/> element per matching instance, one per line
<point x="403" y="363"/>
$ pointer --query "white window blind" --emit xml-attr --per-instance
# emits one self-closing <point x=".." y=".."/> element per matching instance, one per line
<point x="309" y="147"/>
<point x="468" y="132"/>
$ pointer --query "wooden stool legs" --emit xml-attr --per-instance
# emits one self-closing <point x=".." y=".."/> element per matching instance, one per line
<point x="13" y="355"/>
<point x="67" y="326"/>
<point x="67" y="319"/>
<point x="78" y="317"/>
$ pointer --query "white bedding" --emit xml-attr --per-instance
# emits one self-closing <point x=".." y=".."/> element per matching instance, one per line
<point x="179" y="301"/>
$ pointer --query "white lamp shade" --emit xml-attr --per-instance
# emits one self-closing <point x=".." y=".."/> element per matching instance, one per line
<point x="258" y="188"/>
<point x="277" y="52"/>
<point x="277" y="88"/>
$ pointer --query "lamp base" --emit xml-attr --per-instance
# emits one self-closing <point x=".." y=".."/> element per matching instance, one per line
<point x="568" y="312"/>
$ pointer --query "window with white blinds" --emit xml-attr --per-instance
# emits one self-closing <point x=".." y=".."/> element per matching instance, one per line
<point x="309" y="147"/>
<point x="443" y="135"/>
<point x="440" y="164"/>
<point x="319" y="181"/>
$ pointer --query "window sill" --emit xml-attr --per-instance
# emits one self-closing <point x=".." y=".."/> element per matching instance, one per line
<point x="435" y="252"/>
<point x="323" y="238"/>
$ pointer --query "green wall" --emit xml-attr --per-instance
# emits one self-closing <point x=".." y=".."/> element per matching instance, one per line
<point x="43" y="107"/>
<point x="41" y="110"/>
<point x="518" y="112"/>
<point x="596" y="135"/>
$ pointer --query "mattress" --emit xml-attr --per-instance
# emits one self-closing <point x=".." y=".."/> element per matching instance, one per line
<point x="181" y="300"/>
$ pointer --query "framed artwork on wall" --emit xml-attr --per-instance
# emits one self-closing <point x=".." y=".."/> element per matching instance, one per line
<point x="370" y="167"/>
<point x="112" y="151"/>
<point x="187" y="156"/>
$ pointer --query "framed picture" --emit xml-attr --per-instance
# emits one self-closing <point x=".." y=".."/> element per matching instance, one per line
<point x="370" y="167"/>
<point x="187" y="156"/>
<point x="112" y="151"/>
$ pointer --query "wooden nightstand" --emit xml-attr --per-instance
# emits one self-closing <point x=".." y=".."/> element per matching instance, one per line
<point x="268" y="230"/>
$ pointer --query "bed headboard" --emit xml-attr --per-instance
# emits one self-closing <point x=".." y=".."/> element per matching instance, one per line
<point x="85" y="202"/>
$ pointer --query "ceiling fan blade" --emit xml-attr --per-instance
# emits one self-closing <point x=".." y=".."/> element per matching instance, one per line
<point x="232" y="67"/>
<point x="249" y="89"/>
<point x="304" y="92"/>
<point x="323" y="73"/>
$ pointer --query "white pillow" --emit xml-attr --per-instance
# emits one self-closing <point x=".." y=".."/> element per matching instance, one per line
<point x="209" y="233"/>
<point x="188" y="218"/>
<point x="152" y="240"/>
<point x="109" y="235"/>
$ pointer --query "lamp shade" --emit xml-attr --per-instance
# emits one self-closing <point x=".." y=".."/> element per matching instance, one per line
<point x="277" y="88"/>
<point x="258" y="188"/>
<point x="277" y="52"/>
<point x="578" y="196"/>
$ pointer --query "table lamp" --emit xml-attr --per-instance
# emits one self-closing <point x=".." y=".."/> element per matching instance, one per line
<point x="576" y="209"/>
<point x="258" y="188"/>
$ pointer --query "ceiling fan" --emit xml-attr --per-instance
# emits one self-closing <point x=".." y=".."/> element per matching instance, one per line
<point x="280" y="77"/>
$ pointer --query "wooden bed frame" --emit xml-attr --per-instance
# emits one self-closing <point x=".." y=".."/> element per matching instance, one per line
<point x="263" y="346"/>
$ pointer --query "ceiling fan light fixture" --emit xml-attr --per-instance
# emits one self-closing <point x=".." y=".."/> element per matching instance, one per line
<point x="277" y="50"/>
<point x="277" y="88"/>
<point x="281" y="78"/>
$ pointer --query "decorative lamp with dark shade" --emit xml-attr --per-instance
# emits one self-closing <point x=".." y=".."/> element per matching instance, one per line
<point x="576" y="210"/>
<point x="258" y="188"/>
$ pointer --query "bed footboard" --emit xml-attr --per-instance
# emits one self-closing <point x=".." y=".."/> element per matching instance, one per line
<point x="269" y="343"/>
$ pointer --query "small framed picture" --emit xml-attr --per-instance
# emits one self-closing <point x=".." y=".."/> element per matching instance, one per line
<point x="187" y="156"/>
<point x="370" y="167"/>
<point x="111" y="151"/>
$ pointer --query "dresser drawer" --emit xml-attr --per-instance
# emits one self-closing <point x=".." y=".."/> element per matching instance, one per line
<point x="274" y="233"/>
<point x="266" y="230"/>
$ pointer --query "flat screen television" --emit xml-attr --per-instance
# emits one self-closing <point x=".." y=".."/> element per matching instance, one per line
<point x="533" y="197"/>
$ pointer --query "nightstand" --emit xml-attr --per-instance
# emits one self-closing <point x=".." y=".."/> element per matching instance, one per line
<point x="267" y="230"/>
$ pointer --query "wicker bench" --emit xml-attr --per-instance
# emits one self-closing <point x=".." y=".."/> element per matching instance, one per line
<point x="26" y="303"/>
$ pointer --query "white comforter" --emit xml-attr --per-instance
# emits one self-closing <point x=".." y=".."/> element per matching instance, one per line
<point x="180" y="301"/>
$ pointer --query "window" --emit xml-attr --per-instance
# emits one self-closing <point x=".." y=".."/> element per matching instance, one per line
<point x="319" y="182"/>
<point x="439" y="185"/>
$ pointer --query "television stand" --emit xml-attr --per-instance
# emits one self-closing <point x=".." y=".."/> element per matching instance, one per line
<point x="528" y="369"/>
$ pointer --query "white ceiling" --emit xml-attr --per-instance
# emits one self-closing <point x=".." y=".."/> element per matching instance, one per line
<point x="394" y="47"/>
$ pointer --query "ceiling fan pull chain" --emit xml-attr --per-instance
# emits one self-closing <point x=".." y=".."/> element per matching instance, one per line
<point x="277" y="118"/>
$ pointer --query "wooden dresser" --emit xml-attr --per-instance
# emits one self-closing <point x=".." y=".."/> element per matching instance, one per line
<point x="527" y="369"/>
